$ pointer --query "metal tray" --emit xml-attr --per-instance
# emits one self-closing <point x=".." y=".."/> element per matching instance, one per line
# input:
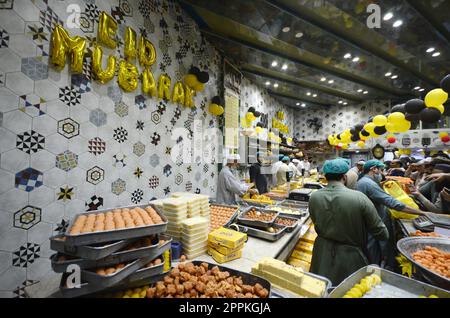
<point x="229" y="206"/>
<point x="293" y="204"/>
<point x="409" y="245"/>
<point x="254" y="223"/>
<point x="115" y="235"/>
<point x="288" y="228"/>
<point x="247" y="279"/>
<point x="144" y="273"/>
<point x="301" y="214"/>
<point x="258" y="233"/>
<point x="113" y="259"/>
<point x="91" y="252"/>
<point x="410" y="288"/>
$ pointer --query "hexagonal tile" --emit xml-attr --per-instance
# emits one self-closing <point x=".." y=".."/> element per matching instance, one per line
<point x="95" y="175"/>
<point x="66" y="161"/>
<point x="10" y="61"/>
<point x="6" y="181"/>
<point x="8" y="100"/>
<point x="27" y="217"/>
<point x="94" y="203"/>
<point x="42" y="197"/>
<point x="115" y="93"/>
<point x="98" y="117"/>
<point x="30" y="142"/>
<point x="14" y="160"/>
<point x="53" y="213"/>
<point x="178" y="179"/>
<point x="107" y="104"/>
<point x="139" y="149"/>
<point x="96" y="146"/>
<point x="156" y="117"/>
<point x="7" y="140"/>
<point x="47" y="90"/>
<point x="82" y="83"/>
<point x="27" y="12"/>
<point x="57" y="109"/>
<point x="78" y="145"/>
<point x="45" y="125"/>
<point x="154" y="160"/>
<point x="80" y="114"/>
<point x="120" y="134"/>
<point x="70" y="95"/>
<point x="139" y="101"/>
<point x="26" y="255"/>
<point x="65" y="193"/>
<point x="19" y="83"/>
<point x="90" y="100"/>
<point x="119" y="160"/>
<point x="56" y="143"/>
<point x="118" y="187"/>
<point x="55" y="177"/>
<point x="43" y="160"/>
<point x="121" y="109"/>
<point x="32" y="104"/>
<point x="21" y="45"/>
<point x="28" y="179"/>
<point x="68" y="128"/>
<point x="34" y="68"/>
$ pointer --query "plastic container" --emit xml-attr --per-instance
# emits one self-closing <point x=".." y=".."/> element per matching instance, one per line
<point x="395" y="190"/>
<point x="194" y="224"/>
<point x="176" y="250"/>
<point x="194" y="239"/>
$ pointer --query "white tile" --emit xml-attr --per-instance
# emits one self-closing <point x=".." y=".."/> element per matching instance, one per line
<point x="7" y="140"/>
<point x="12" y="239"/>
<point x="78" y="145"/>
<point x="106" y="133"/>
<point x="42" y="196"/>
<point x="26" y="10"/>
<point x="56" y="144"/>
<point x="15" y="160"/>
<point x="53" y="213"/>
<point x="45" y="125"/>
<point x="5" y="261"/>
<point x="90" y="100"/>
<point x="88" y="130"/>
<point x="77" y="176"/>
<point x="106" y="104"/>
<point x="57" y="110"/>
<point x="79" y="114"/>
<point x="43" y="160"/>
<point x="6" y="181"/>
<point x="86" y="191"/>
<point x="59" y="78"/>
<point x="17" y="121"/>
<point x="6" y="219"/>
<point x="46" y="252"/>
<point x="19" y="83"/>
<point x="8" y="100"/>
<point x="40" y="269"/>
<point x="74" y="207"/>
<point x="55" y="177"/>
<point x="47" y="90"/>
<point x="40" y="232"/>
<point x="11" y="22"/>
<point x="13" y="276"/>
<point x="22" y="46"/>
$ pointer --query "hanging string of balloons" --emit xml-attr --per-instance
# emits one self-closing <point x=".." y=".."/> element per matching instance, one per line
<point x="399" y="120"/>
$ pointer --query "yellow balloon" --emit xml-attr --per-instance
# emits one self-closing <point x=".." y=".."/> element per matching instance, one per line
<point x="369" y="127"/>
<point x="147" y="52"/>
<point x="396" y="117"/>
<point x="148" y="83"/>
<point x="107" y="28"/>
<point x="390" y="127"/>
<point x="199" y="87"/>
<point x="403" y="126"/>
<point x="189" y="94"/>
<point x="130" y="50"/>
<point x="62" y="44"/>
<point x="362" y="137"/>
<point x="443" y="134"/>
<point x="289" y="140"/>
<point x="258" y="130"/>
<point x="164" y="83"/>
<point x="128" y="76"/>
<point x="344" y="146"/>
<point x="100" y="75"/>
<point x="220" y="111"/>
<point x="390" y="136"/>
<point x="361" y="144"/>
<point x="436" y="97"/>
<point x="191" y="80"/>
<point x="178" y="93"/>
<point x="380" y="120"/>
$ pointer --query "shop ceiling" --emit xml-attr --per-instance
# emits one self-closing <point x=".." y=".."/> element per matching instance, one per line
<point x="321" y="52"/>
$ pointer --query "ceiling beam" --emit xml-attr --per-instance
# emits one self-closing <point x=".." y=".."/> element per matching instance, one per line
<point x="285" y="78"/>
<point x="338" y="30"/>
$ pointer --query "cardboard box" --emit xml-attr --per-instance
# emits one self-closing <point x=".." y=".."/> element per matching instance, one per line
<point x="227" y="237"/>
<point x="225" y="250"/>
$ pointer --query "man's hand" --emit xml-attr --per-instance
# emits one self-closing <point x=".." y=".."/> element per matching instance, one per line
<point x="438" y="177"/>
<point x="253" y="191"/>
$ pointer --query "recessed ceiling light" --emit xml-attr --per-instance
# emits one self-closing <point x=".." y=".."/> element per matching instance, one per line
<point x="267" y="83"/>
<point x="309" y="94"/>
<point x="345" y="103"/>
<point x="286" y="29"/>
<point x="298" y="34"/>
<point x="436" y="54"/>
<point x="421" y="90"/>
<point x="355" y="59"/>
<point x="394" y="76"/>
<point x="275" y="85"/>
<point x="388" y="16"/>
<point x="323" y="79"/>
<point x="274" y="63"/>
<point x="388" y="74"/>
<point x="340" y="102"/>
<point x="417" y="88"/>
<point x="315" y="95"/>
<point x="330" y="81"/>
<point x="365" y="92"/>
<point x="431" y="49"/>
<point x="360" y="90"/>
<point x="347" y="56"/>
<point x="297" y="104"/>
<point x="397" y="23"/>
<point x="284" y="67"/>
<point x="303" y="105"/>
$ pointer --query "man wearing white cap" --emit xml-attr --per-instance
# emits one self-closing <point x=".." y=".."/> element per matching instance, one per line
<point x="228" y="185"/>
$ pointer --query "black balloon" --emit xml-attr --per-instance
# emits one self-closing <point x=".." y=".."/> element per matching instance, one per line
<point x="260" y="124"/>
<point x="445" y="83"/>
<point x="365" y="133"/>
<point x="359" y="127"/>
<point x="412" y="117"/>
<point x="430" y="115"/>
<point x="354" y="138"/>
<point x="217" y="100"/>
<point x="338" y="137"/>
<point x="194" y="70"/>
<point x="203" y="77"/>
<point x="257" y="114"/>
<point x="398" y="108"/>
<point x="251" y="110"/>
<point x="353" y="131"/>
<point x="380" y="130"/>
<point x="414" y="106"/>
<point x="446" y="110"/>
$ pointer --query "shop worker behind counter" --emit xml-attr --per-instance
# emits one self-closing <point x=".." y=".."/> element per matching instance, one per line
<point x="256" y="176"/>
<point x="229" y="186"/>
<point x="342" y="218"/>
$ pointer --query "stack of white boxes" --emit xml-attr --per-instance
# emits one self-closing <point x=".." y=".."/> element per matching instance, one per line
<point x="198" y="204"/>
<point x="176" y="210"/>
<point x="194" y="236"/>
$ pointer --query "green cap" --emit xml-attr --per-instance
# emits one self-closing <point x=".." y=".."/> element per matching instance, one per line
<point x="373" y="163"/>
<point x="286" y="158"/>
<point x="336" y="166"/>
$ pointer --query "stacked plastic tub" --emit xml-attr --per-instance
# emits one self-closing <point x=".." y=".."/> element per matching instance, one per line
<point x="194" y="236"/>
<point x="111" y="249"/>
<point x="176" y="210"/>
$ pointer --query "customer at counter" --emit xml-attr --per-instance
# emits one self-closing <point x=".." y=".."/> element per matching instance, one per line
<point x="342" y="219"/>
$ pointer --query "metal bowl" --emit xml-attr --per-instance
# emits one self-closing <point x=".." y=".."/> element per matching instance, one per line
<point x="407" y="246"/>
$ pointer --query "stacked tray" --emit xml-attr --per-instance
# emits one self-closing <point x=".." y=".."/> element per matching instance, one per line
<point x="279" y="231"/>
<point x="110" y="247"/>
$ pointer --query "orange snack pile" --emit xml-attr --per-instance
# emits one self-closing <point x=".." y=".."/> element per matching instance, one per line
<point x="285" y="221"/>
<point x="109" y="270"/>
<point x="434" y="259"/>
<point x="256" y="215"/>
<point x="220" y="215"/>
<point x="431" y="234"/>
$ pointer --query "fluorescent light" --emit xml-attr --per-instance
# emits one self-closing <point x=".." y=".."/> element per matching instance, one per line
<point x="330" y="81"/>
<point x="360" y="90"/>
<point x="416" y="88"/>
<point x="323" y="79"/>
<point x="388" y="16"/>
<point x="267" y="83"/>
<point x="357" y="151"/>
<point x="355" y="59"/>
<point x="340" y="102"/>
<point x="309" y="94"/>
<point x="436" y="54"/>
<point x="365" y="92"/>
<point x="297" y="104"/>
<point x="421" y="90"/>
<point x="275" y="85"/>
<point x="298" y="35"/>
<point x="345" y="103"/>
<point x="388" y="74"/>
<point x="303" y="105"/>
<point x="394" y="76"/>
<point x="284" y="67"/>
<point x="431" y="49"/>
<point x="315" y="95"/>
<point x="286" y="29"/>
<point x="397" y="23"/>
<point x="347" y="56"/>
<point x="274" y="63"/>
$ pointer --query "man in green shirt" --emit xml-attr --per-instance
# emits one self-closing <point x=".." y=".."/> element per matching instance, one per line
<point x="342" y="218"/>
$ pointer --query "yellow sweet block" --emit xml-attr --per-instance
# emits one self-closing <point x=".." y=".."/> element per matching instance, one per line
<point x="309" y="237"/>
<point x="221" y="258"/>
<point x="305" y="246"/>
<point x="227" y="237"/>
<point x="299" y="263"/>
<point x="302" y="256"/>
<point x="281" y="269"/>
<point x="225" y="250"/>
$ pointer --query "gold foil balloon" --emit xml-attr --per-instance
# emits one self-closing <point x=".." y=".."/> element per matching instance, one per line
<point x="436" y="97"/>
<point x="128" y="76"/>
<point x="147" y="52"/>
<point x="191" y="80"/>
<point x="62" y="44"/>
<point x="164" y="83"/>
<point x="107" y="28"/>
<point x="148" y="83"/>
<point x="102" y="76"/>
<point x="130" y="49"/>
<point x="189" y="94"/>
<point x="178" y="93"/>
